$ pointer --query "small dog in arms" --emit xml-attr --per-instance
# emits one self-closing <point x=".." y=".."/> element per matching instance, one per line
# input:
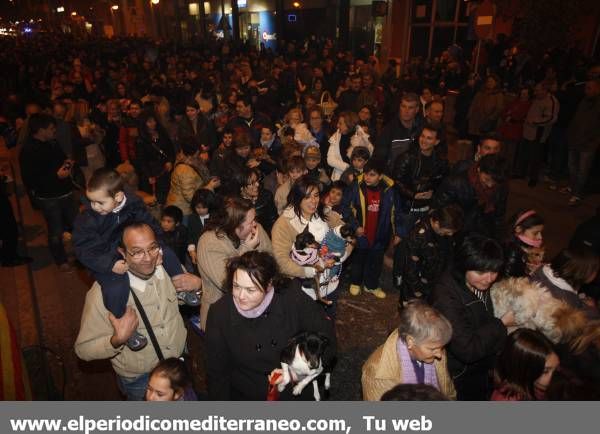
<point x="301" y="363"/>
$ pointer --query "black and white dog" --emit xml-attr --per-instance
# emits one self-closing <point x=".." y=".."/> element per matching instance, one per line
<point x="302" y="363"/>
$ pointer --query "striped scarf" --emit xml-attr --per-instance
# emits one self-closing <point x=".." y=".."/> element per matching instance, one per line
<point x="308" y="256"/>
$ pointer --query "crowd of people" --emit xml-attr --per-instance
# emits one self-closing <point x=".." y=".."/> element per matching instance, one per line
<point x="240" y="191"/>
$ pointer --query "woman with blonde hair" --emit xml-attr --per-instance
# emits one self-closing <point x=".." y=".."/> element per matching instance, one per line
<point x="295" y="119"/>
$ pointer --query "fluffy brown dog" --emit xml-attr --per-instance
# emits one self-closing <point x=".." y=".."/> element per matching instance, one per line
<point x="535" y="308"/>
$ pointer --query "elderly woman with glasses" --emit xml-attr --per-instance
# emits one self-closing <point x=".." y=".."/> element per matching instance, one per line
<point x="413" y="354"/>
<point x="250" y="326"/>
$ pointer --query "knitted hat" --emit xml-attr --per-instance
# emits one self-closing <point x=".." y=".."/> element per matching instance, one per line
<point x="312" y="152"/>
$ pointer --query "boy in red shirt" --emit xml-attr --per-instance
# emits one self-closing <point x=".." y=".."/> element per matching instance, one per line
<point x="369" y="207"/>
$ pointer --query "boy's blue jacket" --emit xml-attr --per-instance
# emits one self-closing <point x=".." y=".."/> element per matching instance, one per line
<point x="389" y="220"/>
<point x="96" y="237"/>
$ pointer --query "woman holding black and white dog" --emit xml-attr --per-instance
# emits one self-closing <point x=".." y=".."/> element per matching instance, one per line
<point x="249" y="327"/>
<point x="302" y="212"/>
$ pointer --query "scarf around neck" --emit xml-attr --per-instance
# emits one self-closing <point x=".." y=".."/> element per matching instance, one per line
<point x="409" y="375"/>
<point x="267" y="144"/>
<point x="485" y="195"/>
<point x="258" y="310"/>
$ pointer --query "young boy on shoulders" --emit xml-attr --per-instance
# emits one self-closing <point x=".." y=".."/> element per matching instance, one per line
<point x="97" y="234"/>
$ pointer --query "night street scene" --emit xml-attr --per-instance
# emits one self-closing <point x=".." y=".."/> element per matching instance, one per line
<point x="330" y="200"/>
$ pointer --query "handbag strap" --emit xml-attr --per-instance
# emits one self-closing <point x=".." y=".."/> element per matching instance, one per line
<point x="323" y="96"/>
<point x="149" y="329"/>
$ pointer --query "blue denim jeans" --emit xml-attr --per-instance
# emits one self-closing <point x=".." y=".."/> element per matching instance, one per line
<point x="580" y="165"/>
<point x="133" y="388"/>
<point x="59" y="214"/>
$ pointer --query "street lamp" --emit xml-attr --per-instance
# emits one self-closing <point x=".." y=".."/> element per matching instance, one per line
<point x="155" y="21"/>
<point x="114" y="20"/>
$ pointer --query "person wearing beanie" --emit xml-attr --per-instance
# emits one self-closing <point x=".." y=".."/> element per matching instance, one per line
<point x="312" y="158"/>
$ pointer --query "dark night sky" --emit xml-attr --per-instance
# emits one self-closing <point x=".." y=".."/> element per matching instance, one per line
<point x="19" y="9"/>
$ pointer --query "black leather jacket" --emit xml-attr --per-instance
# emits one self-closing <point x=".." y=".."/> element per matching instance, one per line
<point x="408" y="177"/>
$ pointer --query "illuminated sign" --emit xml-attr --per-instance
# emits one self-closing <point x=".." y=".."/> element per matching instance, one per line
<point x="269" y="36"/>
<point x="242" y="3"/>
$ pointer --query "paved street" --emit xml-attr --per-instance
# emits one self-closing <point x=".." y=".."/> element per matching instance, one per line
<point x="363" y="321"/>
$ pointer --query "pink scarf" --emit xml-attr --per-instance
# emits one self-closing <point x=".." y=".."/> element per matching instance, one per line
<point x="530" y="241"/>
<point x="408" y="371"/>
<point x="258" y="310"/>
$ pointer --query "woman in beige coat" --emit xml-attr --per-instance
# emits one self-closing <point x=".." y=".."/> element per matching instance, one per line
<point x="412" y="354"/>
<point x="232" y="232"/>
<point x="302" y="211"/>
<point x="189" y="174"/>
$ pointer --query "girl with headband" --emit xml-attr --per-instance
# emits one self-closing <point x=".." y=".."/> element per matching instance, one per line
<point x="527" y="233"/>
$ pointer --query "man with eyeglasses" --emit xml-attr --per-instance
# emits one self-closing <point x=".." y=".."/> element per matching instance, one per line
<point x="103" y="336"/>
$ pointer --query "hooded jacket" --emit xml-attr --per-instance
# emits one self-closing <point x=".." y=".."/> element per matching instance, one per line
<point x="388" y="224"/>
<point x="96" y="237"/>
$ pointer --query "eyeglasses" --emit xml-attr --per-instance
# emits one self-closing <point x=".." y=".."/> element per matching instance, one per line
<point x="139" y="253"/>
<point x="255" y="182"/>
